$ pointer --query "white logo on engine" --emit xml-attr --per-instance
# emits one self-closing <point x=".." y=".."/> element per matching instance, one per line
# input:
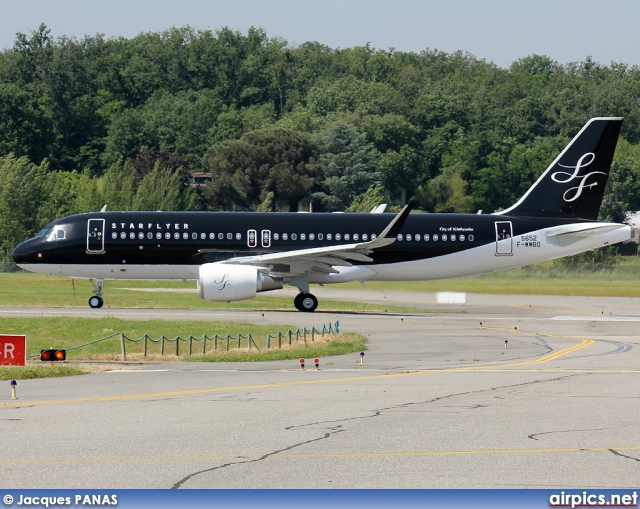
<point x="563" y="177"/>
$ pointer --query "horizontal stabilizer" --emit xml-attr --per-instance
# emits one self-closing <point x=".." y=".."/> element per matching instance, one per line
<point x="582" y="231"/>
<point x="571" y="233"/>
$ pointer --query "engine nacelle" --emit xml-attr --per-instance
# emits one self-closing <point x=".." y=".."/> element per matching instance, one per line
<point x="226" y="282"/>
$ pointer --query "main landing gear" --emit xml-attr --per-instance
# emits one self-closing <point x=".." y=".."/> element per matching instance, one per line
<point x="305" y="302"/>
<point x="96" y="301"/>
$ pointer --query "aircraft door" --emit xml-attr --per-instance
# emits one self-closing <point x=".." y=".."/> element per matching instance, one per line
<point x="252" y="239"/>
<point x="504" y="238"/>
<point x="266" y="238"/>
<point x="95" y="236"/>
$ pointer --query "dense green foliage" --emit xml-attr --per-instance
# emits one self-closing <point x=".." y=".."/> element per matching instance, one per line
<point x="123" y="121"/>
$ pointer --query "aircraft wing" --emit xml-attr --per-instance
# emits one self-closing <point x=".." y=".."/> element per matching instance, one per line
<point x="322" y="259"/>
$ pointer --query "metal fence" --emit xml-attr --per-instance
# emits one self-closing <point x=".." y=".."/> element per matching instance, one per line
<point x="7" y="265"/>
<point x="216" y="341"/>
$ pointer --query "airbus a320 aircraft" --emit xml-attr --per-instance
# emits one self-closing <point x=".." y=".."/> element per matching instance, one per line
<point x="235" y="255"/>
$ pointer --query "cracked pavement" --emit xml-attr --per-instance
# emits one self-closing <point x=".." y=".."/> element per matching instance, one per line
<point x="440" y="403"/>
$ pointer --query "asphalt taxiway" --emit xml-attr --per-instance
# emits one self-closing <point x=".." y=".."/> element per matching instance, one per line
<point x="439" y="402"/>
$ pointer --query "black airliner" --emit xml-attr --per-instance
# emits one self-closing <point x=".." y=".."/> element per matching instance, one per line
<point x="234" y="255"/>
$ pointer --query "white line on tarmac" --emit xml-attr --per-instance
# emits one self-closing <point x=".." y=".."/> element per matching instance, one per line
<point x="598" y="318"/>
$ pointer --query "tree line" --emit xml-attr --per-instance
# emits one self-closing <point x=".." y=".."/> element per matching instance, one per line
<point x="117" y="121"/>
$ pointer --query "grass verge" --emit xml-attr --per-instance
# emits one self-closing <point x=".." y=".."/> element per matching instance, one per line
<point x="66" y="333"/>
<point x="35" y="290"/>
<point x="342" y="344"/>
<point x="27" y="372"/>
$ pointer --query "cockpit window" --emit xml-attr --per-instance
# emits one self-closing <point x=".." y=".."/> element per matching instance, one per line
<point x="55" y="233"/>
<point x="44" y="232"/>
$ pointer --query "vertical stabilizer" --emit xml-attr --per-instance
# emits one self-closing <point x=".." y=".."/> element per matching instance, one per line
<point x="573" y="185"/>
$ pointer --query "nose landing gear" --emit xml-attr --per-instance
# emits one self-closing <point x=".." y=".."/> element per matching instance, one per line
<point x="96" y="301"/>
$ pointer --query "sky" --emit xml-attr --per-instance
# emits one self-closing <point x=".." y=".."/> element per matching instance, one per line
<point x="498" y="31"/>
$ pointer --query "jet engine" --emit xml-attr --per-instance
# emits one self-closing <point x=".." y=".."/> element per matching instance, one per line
<point x="226" y="282"/>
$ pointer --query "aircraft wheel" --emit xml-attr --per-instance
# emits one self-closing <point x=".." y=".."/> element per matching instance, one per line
<point x="308" y="303"/>
<point x="96" y="302"/>
<point x="297" y="302"/>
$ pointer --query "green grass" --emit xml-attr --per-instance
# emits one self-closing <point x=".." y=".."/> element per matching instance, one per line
<point x="67" y="332"/>
<point x="24" y="373"/>
<point x="549" y="278"/>
<point x="64" y="333"/>
<point x="621" y="280"/>
<point x="34" y="290"/>
<point x="339" y="345"/>
<point x="347" y="343"/>
<point x="512" y="286"/>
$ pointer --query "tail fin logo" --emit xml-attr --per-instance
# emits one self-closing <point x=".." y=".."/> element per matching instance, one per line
<point x="563" y="177"/>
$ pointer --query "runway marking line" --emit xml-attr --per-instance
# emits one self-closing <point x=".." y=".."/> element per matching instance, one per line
<point x="555" y="310"/>
<point x="330" y="455"/>
<point x="584" y="342"/>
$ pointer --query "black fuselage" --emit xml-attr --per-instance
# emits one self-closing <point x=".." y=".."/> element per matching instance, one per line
<point x="194" y="238"/>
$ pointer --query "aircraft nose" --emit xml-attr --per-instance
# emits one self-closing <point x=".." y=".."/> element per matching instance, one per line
<point x="24" y="253"/>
